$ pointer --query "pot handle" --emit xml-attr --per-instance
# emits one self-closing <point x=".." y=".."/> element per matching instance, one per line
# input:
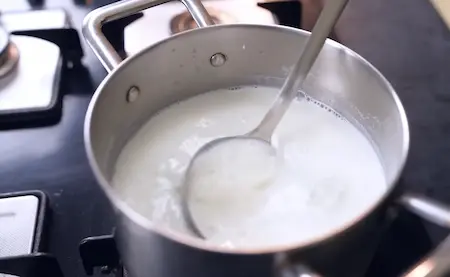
<point x="93" y="22"/>
<point x="438" y="262"/>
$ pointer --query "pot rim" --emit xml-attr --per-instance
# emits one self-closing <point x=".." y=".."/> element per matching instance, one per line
<point x="191" y="241"/>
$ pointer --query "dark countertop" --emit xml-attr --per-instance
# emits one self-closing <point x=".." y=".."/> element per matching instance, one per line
<point x="404" y="39"/>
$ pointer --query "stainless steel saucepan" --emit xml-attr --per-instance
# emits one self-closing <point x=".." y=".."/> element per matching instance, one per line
<point x="214" y="57"/>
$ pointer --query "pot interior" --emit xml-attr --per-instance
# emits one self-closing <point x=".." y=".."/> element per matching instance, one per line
<point x="180" y="67"/>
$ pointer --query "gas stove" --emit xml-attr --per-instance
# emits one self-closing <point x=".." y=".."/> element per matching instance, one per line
<point x="60" y="224"/>
<point x="33" y="53"/>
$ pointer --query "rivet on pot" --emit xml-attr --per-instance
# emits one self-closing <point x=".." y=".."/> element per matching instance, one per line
<point x="218" y="59"/>
<point x="133" y="94"/>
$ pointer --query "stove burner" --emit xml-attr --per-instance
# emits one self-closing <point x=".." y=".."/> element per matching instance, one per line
<point x="9" y="54"/>
<point x="184" y="21"/>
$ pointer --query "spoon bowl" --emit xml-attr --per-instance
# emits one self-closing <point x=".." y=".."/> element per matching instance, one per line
<point x="222" y="172"/>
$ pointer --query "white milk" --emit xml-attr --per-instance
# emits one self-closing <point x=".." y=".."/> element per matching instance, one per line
<point x="329" y="173"/>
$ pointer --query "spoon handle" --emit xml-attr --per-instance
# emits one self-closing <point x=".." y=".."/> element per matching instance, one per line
<point x="325" y="23"/>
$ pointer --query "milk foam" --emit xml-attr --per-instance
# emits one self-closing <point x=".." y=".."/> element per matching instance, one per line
<point x="330" y="173"/>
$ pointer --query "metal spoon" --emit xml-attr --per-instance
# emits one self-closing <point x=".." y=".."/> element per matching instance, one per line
<point x="261" y="135"/>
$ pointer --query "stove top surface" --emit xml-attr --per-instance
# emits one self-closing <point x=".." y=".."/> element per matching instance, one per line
<point x="414" y="58"/>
